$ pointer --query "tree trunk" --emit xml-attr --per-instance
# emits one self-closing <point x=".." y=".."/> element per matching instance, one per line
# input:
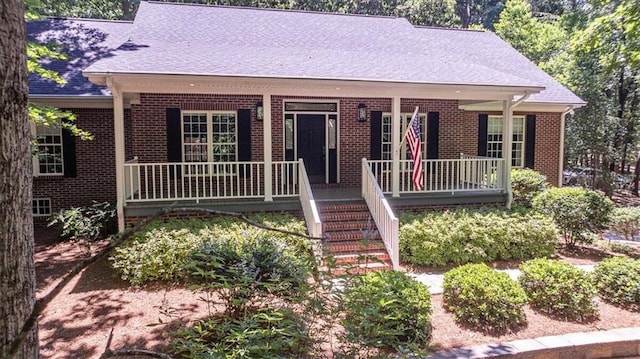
<point x="17" y="271"/>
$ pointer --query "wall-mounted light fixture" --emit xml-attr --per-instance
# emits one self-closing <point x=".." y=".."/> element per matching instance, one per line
<point x="362" y="113"/>
<point x="259" y="111"/>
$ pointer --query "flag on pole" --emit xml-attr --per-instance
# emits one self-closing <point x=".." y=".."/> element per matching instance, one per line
<point x="415" y="146"/>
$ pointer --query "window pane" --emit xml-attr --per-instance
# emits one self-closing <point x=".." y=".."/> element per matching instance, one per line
<point x="332" y="131"/>
<point x="50" y="154"/>
<point x="288" y="132"/>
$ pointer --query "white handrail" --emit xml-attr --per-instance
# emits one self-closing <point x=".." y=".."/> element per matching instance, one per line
<point x="132" y="184"/>
<point x="309" y="208"/>
<point x="386" y="222"/>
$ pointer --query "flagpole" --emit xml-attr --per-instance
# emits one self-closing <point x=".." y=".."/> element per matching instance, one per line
<point x="404" y="137"/>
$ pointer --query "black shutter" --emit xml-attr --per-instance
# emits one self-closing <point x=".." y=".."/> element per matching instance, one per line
<point x="433" y="135"/>
<point x="376" y="135"/>
<point x="530" y="141"/>
<point x="483" y="122"/>
<point x="174" y="139"/>
<point x="244" y="138"/>
<point x="69" y="153"/>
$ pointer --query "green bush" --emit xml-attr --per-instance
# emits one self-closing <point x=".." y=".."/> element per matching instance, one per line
<point x="163" y="250"/>
<point x="618" y="281"/>
<point x="626" y="221"/>
<point x="577" y="211"/>
<point x="89" y="223"/>
<point x="268" y="333"/>
<point x="386" y="310"/>
<point x="526" y="184"/>
<point x="483" y="298"/>
<point x="559" y="289"/>
<point x="460" y="237"/>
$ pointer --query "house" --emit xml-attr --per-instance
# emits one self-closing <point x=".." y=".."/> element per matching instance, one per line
<point x="216" y="105"/>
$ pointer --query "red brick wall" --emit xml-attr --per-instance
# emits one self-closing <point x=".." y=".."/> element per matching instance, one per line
<point x="547" y="156"/>
<point x="95" y="161"/>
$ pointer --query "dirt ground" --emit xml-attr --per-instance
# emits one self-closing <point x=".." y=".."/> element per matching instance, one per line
<point x="78" y="321"/>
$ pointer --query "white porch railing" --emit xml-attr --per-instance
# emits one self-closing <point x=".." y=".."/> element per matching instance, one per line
<point x="453" y="175"/>
<point x="386" y="221"/>
<point x="309" y="208"/>
<point x="148" y="182"/>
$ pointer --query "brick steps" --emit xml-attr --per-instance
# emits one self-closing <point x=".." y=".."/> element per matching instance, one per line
<point x="353" y="244"/>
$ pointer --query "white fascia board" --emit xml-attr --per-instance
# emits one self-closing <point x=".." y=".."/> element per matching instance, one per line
<point x="66" y="101"/>
<point x="495" y="106"/>
<point x="145" y="83"/>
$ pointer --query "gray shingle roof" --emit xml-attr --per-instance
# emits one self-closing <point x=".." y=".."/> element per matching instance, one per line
<point x="189" y="39"/>
<point x="84" y="42"/>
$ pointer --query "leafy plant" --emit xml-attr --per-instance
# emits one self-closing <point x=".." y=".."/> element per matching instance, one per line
<point x="618" y="281"/>
<point x="526" y="184"/>
<point x="576" y="211"/>
<point x="483" y="298"/>
<point x="467" y="236"/>
<point x="266" y="333"/>
<point x="89" y="223"/>
<point x="388" y="310"/>
<point x="558" y="288"/>
<point x="626" y="221"/>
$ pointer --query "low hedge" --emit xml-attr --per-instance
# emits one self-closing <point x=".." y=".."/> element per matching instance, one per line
<point x="484" y="298"/>
<point x="163" y="250"/>
<point x="559" y="289"/>
<point x="526" y="184"/>
<point x="618" y="281"/>
<point x="387" y="310"/>
<point x="474" y="236"/>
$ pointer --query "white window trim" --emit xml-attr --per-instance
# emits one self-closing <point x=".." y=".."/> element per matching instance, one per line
<point x="210" y="135"/>
<point x="513" y="143"/>
<point x="48" y="200"/>
<point x="35" y="160"/>
<point x="403" y="128"/>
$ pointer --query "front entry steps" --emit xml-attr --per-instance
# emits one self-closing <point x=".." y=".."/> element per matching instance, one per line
<point x="352" y="243"/>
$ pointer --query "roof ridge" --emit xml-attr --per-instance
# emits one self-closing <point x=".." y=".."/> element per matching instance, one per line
<point x="272" y="9"/>
<point x="82" y="19"/>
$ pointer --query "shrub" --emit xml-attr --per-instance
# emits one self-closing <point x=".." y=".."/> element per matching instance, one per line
<point x="267" y="333"/>
<point x="163" y="250"/>
<point x="387" y="309"/>
<point x="626" y="221"/>
<point x="89" y="223"/>
<point x="460" y="237"/>
<point x="618" y="281"/>
<point x="483" y="298"/>
<point x="576" y="211"/>
<point x="526" y="184"/>
<point x="559" y="289"/>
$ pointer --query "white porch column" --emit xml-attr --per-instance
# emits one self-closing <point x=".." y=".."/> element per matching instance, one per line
<point x="118" y="130"/>
<point x="395" y="144"/>
<point x="507" y="140"/>
<point x="266" y="138"/>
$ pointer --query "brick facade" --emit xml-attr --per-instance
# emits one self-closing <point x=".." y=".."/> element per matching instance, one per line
<point x="145" y="137"/>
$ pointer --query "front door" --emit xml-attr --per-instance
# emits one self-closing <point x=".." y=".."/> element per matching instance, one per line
<point x="311" y="145"/>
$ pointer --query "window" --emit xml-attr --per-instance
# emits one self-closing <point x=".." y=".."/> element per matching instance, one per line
<point x="41" y="207"/>
<point x="209" y="137"/>
<point x="387" y="150"/>
<point x="48" y="159"/>
<point x="494" y="139"/>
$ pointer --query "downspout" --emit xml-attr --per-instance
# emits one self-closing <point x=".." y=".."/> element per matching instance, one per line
<point x="509" y="122"/>
<point x="563" y="115"/>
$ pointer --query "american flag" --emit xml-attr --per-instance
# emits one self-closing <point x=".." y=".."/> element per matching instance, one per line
<point x="415" y="146"/>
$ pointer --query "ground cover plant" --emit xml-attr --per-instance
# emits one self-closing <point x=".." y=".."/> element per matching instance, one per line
<point x="559" y="289"/>
<point x="577" y="212"/>
<point x="484" y="299"/>
<point x="473" y="236"/>
<point x="618" y="281"/>
<point x="387" y="310"/>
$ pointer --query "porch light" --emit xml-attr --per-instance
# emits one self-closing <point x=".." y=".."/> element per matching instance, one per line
<point x="259" y="111"/>
<point x="362" y="113"/>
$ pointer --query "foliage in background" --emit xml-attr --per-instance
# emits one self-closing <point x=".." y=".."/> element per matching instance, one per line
<point x="626" y="221"/>
<point x="90" y="223"/>
<point x="559" y="289"/>
<point x="484" y="298"/>
<point x="618" y="281"/>
<point x="387" y="310"/>
<point x="163" y="250"/>
<point x="526" y="184"/>
<point x="576" y="211"/>
<point x="472" y="236"/>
